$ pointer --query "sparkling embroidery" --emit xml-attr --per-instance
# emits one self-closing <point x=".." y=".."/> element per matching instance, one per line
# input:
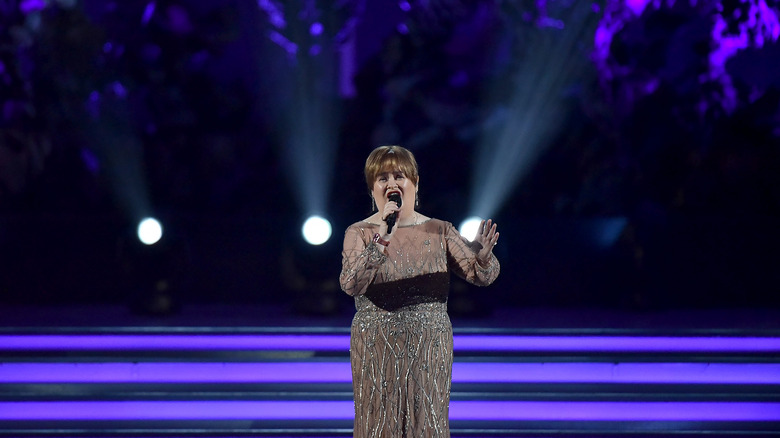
<point x="402" y="358"/>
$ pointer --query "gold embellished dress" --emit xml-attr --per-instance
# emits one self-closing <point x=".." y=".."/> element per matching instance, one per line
<point x="401" y="335"/>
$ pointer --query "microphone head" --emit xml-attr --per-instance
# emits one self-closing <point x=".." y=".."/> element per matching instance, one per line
<point x="395" y="197"/>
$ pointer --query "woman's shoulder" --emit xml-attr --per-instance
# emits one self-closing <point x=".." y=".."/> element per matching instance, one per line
<point x="362" y="224"/>
<point x="432" y="220"/>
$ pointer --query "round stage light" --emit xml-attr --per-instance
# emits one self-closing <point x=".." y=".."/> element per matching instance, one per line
<point x="470" y="227"/>
<point x="149" y="231"/>
<point x="316" y="230"/>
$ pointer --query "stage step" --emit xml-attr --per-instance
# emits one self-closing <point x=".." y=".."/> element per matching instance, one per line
<point x="185" y="382"/>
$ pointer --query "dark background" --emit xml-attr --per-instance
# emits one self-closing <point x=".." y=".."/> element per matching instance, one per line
<point x="656" y="186"/>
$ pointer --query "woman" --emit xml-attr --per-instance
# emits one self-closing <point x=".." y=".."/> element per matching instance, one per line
<point x="401" y="338"/>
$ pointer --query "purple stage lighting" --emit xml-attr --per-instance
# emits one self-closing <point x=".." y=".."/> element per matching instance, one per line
<point x="344" y="410"/>
<point x="148" y="12"/>
<point x="339" y="372"/>
<point x="316" y="29"/>
<point x="287" y="342"/>
<point x="174" y="342"/>
<point x="30" y="6"/>
<point x="618" y="344"/>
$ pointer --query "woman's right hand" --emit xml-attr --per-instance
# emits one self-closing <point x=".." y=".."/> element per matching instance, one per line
<point x="389" y="208"/>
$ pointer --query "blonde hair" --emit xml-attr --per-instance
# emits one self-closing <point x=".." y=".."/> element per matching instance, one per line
<point x="389" y="158"/>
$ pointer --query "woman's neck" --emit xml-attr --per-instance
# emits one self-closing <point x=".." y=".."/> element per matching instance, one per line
<point x="413" y="219"/>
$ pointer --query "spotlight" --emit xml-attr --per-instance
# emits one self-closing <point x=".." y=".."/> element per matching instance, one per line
<point x="316" y="230"/>
<point x="149" y="231"/>
<point x="470" y="227"/>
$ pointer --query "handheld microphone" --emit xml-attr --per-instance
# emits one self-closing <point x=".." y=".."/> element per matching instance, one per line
<point x="395" y="197"/>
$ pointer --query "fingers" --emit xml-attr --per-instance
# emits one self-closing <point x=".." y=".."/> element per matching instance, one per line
<point x="390" y="208"/>
<point x="489" y="234"/>
<point x="488" y="228"/>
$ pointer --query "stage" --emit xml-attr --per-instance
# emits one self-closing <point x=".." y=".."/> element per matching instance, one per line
<point x="230" y="370"/>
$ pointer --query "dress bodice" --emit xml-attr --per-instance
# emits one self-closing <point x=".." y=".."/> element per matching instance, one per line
<point x="420" y="250"/>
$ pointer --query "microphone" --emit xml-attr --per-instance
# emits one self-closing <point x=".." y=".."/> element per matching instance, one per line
<point x="395" y="197"/>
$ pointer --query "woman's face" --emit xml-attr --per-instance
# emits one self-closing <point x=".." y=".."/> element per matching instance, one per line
<point x="387" y="182"/>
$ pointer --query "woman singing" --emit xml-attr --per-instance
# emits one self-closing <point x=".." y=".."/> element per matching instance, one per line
<point x="397" y="263"/>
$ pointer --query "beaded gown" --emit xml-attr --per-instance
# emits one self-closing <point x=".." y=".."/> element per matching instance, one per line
<point x="401" y="335"/>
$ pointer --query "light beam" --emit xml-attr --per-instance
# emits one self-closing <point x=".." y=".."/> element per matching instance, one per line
<point x="518" y="133"/>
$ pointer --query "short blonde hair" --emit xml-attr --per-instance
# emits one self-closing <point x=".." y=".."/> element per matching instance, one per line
<point x="389" y="158"/>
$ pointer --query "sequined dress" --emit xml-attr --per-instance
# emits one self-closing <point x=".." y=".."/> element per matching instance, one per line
<point x="401" y="335"/>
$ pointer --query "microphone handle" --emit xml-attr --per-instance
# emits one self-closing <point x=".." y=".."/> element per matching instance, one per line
<point x="390" y="222"/>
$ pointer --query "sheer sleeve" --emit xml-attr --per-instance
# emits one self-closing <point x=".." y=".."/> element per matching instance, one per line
<point x="462" y="256"/>
<point x="360" y="261"/>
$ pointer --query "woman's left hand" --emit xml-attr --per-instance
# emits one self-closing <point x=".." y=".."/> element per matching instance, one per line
<point x="487" y="237"/>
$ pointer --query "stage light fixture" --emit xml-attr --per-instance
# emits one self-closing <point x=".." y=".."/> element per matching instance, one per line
<point x="149" y="231"/>
<point x="470" y="227"/>
<point x="316" y="230"/>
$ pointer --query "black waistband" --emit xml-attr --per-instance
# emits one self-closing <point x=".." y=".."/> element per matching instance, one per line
<point x="427" y="288"/>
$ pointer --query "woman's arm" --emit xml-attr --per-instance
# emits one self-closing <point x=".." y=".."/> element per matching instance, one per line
<point x="463" y="260"/>
<point x="360" y="262"/>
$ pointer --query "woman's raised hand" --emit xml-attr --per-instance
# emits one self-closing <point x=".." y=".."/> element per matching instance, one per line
<point x="487" y="237"/>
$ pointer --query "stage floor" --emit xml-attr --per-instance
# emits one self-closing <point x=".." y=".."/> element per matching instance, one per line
<point x="248" y="370"/>
<point x="725" y="321"/>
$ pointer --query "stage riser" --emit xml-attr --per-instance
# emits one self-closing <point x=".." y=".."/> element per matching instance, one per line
<point x="299" y="384"/>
